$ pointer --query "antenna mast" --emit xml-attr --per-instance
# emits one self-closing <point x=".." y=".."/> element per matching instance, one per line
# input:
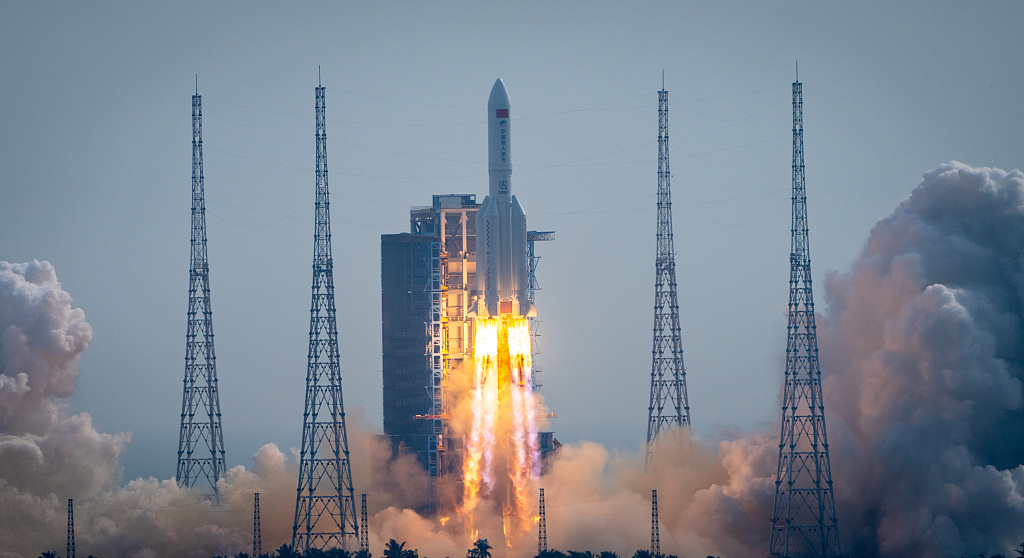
<point x="200" y="442"/>
<point x="804" y="520"/>
<point x="668" y="375"/>
<point x="325" y="514"/>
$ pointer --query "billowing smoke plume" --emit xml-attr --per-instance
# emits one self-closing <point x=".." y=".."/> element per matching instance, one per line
<point x="923" y="355"/>
<point x="922" y="348"/>
<point x="48" y="455"/>
<point x="43" y="451"/>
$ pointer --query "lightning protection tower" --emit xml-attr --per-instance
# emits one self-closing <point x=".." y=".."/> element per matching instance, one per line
<point x="325" y="514"/>
<point x="257" y="527"/>
<point x="804" y="520"/>
<point x="542" y="526"/>
<point x="71" y="528"/>
<point x="364" y="528"/>
<point x="668" y="375"/>
<point x="655" y="529"/>
<point x="200" y="443"/>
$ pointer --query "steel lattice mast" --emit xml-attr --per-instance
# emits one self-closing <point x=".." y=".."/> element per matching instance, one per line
<point x="655" y="526"/>
<point x="364" y="527"/>
<point x="257" y="527"/>
<point x="668" y="375"/>
<point x="71" y="528"/>
<point x="325" y="514"/>
<point x="201" y="442"/>
<point x="804" y="520"/>
<point x="542" y="526"/>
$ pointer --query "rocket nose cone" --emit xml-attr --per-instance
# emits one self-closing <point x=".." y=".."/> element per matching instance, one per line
<point x="499" y="96"/>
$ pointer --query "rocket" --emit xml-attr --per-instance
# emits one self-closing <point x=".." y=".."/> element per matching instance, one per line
<point x="501" y="267"/>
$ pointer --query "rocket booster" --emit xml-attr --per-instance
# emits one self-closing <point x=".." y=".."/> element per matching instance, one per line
<point x="501" y="223"/>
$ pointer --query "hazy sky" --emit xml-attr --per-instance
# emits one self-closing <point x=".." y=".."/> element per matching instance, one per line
<point x="95" y="176"/>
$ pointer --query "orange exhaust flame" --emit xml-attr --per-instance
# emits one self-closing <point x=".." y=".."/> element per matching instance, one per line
<point x="504" y="423"/>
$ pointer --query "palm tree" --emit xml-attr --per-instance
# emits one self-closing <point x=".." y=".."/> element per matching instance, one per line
<point x="394" y="549"/>
<point x="481" y="549"/>
<point x="286" y="551"/>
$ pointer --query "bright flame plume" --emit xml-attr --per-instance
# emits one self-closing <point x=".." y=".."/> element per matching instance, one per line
<point x="502" y="452"/>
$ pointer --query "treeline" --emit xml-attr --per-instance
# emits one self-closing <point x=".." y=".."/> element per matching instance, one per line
<point x="394" y="549"/>
<point x="481" y="549"/>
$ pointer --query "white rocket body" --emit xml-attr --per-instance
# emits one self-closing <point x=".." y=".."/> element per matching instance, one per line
<point x="501" y="264"/>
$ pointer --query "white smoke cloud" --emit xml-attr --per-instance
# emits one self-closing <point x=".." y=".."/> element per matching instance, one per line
<point x="923" y="361"/>
<point x="48" y="455"/>
<point x="45" y="455"/>
<point x="41" y="340"/>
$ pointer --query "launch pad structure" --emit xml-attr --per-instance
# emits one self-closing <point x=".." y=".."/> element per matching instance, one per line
<point x="461" y="263"/>
<point x="428" y="276"/>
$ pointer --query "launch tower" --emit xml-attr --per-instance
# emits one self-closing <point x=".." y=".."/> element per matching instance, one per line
<point x="804" y="521"/>
<point x="200" y="442"/>
<point x="325" y="513"/>
<point x="668" y="375"/>
<point x="426" y="279"/>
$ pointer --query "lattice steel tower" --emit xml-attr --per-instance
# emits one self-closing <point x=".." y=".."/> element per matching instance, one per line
<point x="201" y="442"/>
<point x="668" y="375"/>
<point x="325" y="513"/>
<point x="542" y="525"/>
<point x="364" y="527"/>
<point x="655" y="526"/>
<point x="257" y="527"/>
<point x="71" y="528"/>
<point x="804" y="520"/>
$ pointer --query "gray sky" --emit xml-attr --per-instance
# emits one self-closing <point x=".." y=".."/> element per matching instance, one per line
<point x="95" y="176"/>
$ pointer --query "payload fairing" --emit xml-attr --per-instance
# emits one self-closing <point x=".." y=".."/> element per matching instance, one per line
<point x="501" y="223"/>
